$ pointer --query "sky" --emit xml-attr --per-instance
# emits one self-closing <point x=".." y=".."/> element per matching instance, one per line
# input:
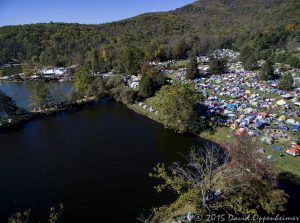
<point x="15" y="12"/>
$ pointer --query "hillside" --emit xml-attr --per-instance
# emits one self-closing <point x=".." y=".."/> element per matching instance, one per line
<point x="201" y="26"/>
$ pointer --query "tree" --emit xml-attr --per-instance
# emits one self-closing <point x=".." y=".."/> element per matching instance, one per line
<point x="201" y="174"/>
<point x="217" y="66"/>
<point x="286" y="82"/>
<point x="7" y="105"/>
<point x="20" y="217"/>
<point x="129" y="60"/>
<point x="293" y="61"/>
<point x="30" y="68"/>
<point x="24" y="217"/>
<point x="251" y="182"/>
<point x="248" y="58"/>
<point x="233" y="179"/>
<point x="40" y="96"/>
<point x="155" y="51"/>
<point x="192" y="70"/>
<point x="93" y="60"/>
<point x="177" y="105"/>
<point x="267" y="71"/>
<point x="2" y="73"/>
<point x="56" y="95"/>
<point x="180" y="49"/>
<point x="82" y="81"/>
<point x="146" y="88"/>
<point x="152" y="80"/>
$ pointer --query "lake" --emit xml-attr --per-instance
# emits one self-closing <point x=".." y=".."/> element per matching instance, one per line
<point x="96" y="161"/>
<point x="20" y="91"/>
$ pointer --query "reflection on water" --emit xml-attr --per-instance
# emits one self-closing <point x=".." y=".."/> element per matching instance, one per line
<point x="20" y="91"/>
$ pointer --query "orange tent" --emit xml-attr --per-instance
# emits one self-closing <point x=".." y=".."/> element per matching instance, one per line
<point x="241" y="132"/>
<point x="293" y="151"/>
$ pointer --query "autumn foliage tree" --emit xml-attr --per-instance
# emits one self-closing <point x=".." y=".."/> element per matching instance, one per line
<point x="234" y="178"/>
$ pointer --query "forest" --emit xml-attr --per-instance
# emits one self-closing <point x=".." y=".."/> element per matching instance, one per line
<point x="264" y="25"/>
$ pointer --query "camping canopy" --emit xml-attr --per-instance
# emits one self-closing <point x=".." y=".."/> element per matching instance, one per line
<point x="281" y="102"/>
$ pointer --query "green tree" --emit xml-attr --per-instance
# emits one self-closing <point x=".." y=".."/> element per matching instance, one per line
<point x="192" y="70"/>
<point x="267" y="71"/>
<point x="286" y="82"/>
<point x="82" y="81"/>
<point x="2" y="73"/>
<point x="155" y="51"/>
<point x="180" y="49"/>
<point x="93" y="60"/>
<point x="7" y="105"/>
<point x="177" y="106"/>
<point x="30" y="68"/>
<point x="217" y="66"/>
<point x="248" y="58"/>
<point x="129" y="60"/>
<point x="40" y="96"/>
<point x="152" y="80"/>
<point x="293" y="61"/>
<point x="146" y="87"/>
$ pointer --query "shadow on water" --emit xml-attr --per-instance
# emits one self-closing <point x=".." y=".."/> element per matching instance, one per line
<point x="290" y="183"/>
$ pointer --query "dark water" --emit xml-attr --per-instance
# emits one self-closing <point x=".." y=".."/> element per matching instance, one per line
<point x="20" y="91"/>
<point x="95" y="161"/>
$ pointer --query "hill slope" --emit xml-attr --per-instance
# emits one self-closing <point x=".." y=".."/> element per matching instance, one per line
<point x="202" y="25"/>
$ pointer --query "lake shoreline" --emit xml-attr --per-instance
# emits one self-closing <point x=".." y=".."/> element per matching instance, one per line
<point x="18" y="121"/>
<point x="74" y="107"/>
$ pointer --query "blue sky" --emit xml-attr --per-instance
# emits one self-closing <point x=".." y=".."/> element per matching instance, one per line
<point x="13" y="12"/>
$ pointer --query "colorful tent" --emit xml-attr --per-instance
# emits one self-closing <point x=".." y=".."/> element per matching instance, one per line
<point x="293" y="151"/>
<point x="241" y="132"/>
<point x="281" y="102"/>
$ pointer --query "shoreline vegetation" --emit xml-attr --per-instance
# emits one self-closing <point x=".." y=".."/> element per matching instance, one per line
<point x="17" y="121"/>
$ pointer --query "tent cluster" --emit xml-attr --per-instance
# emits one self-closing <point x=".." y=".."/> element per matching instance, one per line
<point x="148" y="108"/>
<point x="237" y="99"/>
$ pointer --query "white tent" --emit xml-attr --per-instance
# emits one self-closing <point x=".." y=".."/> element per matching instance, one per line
<point x="281" y="102"/>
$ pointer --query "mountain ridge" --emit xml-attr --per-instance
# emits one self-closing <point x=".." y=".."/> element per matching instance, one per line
<point x="215" y="23"/>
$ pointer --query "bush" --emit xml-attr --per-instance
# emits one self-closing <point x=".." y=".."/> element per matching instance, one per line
<point x="293" y="61"/>
<point x="267" y="71"/>
<point x="192" y="70"/>
<point x="152" y="80"/>
<point x="286" y="82"/>
<point x="217" y="66"/>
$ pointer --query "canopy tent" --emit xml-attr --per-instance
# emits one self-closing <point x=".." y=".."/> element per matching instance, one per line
<point x="266" y="140"/>
<point x="287" y="96"/>
<point x="277" y="148"/>
<point x="293" y="151"/>
<point x="241" y="132"/>
<point x="281" y="102"/>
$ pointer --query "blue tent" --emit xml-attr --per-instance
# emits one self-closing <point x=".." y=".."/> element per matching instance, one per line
<point x="295" y="128"/>
<point x="277" y="148"/>
<point x="260" y="124"/>
<point x="232" y="106"/>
